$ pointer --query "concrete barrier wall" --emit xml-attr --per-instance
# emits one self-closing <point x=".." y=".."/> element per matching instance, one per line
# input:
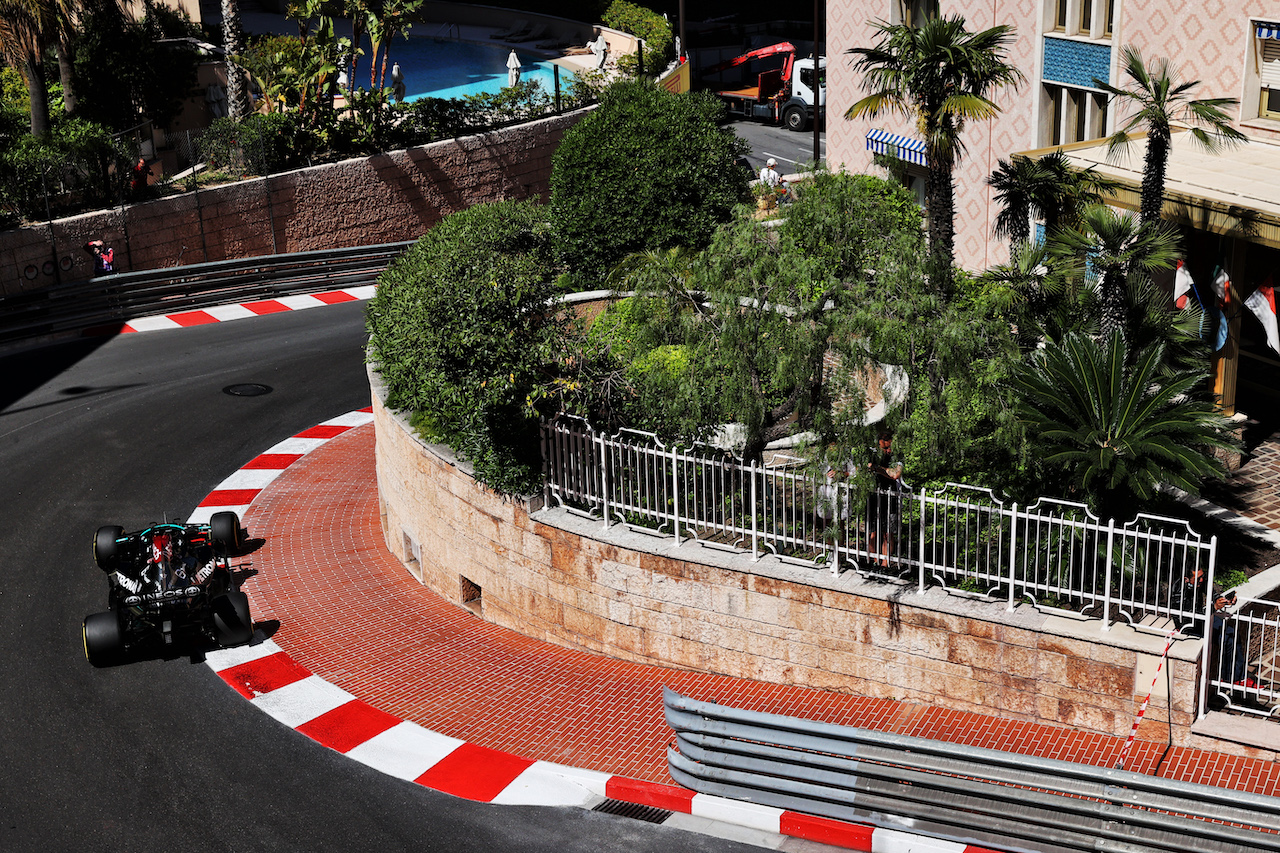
<point x="378" y="199"/>
<point x="571" y="581"/>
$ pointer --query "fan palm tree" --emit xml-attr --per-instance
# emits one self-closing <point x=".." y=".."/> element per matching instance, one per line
<point x="1048" y="189"/>
<point x="1120" y="252"/>
<point x="1037" y="297"/>
<point x="941" y="75"/>
<point x="1069" y="191"/>
<point x="27" y="29"/>
<point x="1113" y="426"/>
<point x="1160" y="100"/>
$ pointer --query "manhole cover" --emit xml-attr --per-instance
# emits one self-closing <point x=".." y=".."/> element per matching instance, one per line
<point x="248" y="389"/>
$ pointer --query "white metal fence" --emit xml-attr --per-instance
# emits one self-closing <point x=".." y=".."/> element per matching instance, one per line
<point x="1152" y="572"/>
<point x="1243" y="651"/>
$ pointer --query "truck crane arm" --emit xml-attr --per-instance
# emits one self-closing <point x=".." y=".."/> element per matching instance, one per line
<point x="784" y="48"/>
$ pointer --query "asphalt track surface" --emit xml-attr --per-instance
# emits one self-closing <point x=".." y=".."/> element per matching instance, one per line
<point x="162" y="754"/>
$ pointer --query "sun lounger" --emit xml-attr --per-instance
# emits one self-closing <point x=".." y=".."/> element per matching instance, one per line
<point x="559" y="42"/>
<point x="537" y="31"/>
<point x="514" y="29"/>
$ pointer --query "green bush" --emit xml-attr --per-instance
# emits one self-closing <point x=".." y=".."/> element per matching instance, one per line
<point x="460" y="333"/>
<point x="843" y="220"/>
<point x="659" y="42"/>
<point x="260" y="144"/>
<point x="79" y="164"/>
<point x="646" y="170"/>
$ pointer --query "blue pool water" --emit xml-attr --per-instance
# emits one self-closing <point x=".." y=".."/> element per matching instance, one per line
<point x="439" y="68"/>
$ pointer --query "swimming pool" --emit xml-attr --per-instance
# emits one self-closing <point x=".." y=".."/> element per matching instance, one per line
<point x="439" y="68"/>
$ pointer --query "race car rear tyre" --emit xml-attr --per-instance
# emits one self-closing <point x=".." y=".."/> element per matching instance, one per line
<point x="103" y="639"/>
<point x="231" y="620"/>
<point x="106" y="553"/>
<point x="224" y="527"/>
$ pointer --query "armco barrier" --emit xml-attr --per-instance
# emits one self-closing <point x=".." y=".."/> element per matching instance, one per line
<point x="111" y="299"/>
<point x="953" y="791"/>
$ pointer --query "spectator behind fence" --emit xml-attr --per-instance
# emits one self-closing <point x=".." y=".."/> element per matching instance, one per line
<point x="1233" y="655"/>
<point x="884" y="503"/>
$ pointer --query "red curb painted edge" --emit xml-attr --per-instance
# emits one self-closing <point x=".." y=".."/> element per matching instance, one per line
<point x="267" y="676"/>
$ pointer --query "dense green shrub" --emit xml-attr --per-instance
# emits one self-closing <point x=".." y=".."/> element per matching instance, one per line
<point x="260" y="144"/>
<point x="460" y="333"/>
<point x="843" y="220"/>
<point x="78" y="164"/>
<point x="646" y="170"/>
<point x="659" y="42"/>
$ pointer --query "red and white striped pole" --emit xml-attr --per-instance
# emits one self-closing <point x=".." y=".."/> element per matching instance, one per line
<point x="1124" y="753"/>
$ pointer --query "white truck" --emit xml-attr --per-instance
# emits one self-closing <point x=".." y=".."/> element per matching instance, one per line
<point x="783" y="95"/>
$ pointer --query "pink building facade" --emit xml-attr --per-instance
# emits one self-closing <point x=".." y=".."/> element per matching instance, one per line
<point x="1231" y="46"/>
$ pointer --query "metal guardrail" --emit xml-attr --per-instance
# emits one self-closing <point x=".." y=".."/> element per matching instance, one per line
<point x="125" y="296"/>
<point x="963" y="793"/>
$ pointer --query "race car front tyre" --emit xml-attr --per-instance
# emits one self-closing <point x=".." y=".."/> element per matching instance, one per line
<point x="103" y="640"/>
<point x="106" y="553"/>
<point x="231" y="620"/>
<point x="224" y="527"/>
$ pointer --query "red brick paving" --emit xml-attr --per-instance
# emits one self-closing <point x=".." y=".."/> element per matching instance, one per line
<point x="353" y="615"/>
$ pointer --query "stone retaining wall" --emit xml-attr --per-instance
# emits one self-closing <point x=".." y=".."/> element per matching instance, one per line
<point x="379" y="199"/>
<point x="568" y="580"/>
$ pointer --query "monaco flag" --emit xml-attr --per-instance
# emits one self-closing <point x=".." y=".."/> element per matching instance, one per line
<point x="1182" y="285"/>
<point x="1262" y="302"/>
<point x="1222" y="287"/>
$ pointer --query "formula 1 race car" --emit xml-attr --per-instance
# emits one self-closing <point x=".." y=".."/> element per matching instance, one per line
<point x="171" y="587"/>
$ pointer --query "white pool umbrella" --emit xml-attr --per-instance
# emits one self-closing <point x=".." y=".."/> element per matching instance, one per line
<point x="513" y="68"/>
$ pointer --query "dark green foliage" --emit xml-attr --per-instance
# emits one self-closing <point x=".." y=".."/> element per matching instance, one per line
<point x="1111" y="427"/>
<point x="460" y="333"/>
<point x="646" y="170"/>
<point x="260" y="144"/>
<point x="956" y="349"/>
<point x="843" y="220"/>
<point x="79" y="163"/>
<point x="659" y="42"/>
<point x="124" y="75"/>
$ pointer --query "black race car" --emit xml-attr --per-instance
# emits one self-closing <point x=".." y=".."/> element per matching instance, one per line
<point x="171" y="590"/>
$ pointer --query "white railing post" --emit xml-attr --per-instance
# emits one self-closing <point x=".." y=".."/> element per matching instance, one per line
<point x="675" y="491"/>
<point x="1013" y="554"/>
<point x="754" y="509"/>
<point x="920" y="553"/>
<point x="604" y="479"/>
<point x="1206" y="649"/>
<point x="1106" y="589"/>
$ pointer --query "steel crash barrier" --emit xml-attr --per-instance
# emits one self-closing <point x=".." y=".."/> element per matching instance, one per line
<point x="962" y="793"/>
<point x="81" y="305"/>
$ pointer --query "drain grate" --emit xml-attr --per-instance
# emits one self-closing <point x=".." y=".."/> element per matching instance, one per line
<point x="247" y="389"/>
<point x="648" y="814"/>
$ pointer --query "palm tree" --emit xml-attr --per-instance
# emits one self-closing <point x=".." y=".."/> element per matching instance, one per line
<point x="1160" y="101"/>
<point x="1115" y="428"/>
<point x="1048" y="189"/>
<point x="27" y="29"/>
<point x="1121" y="253"/>
<point x="1016" y="182"/>
<point x="941" y="74"/>
<point x="1036" y="297"/>
<point x="1070" y="191"/>
<point x="232" y="42"/>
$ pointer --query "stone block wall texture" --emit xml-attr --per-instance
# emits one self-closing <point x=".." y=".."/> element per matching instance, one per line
<point x="562" y="585"/>
<point x="380" y="199"/>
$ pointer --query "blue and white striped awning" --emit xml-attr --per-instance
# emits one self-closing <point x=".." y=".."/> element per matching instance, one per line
<point x="1267" y="31"/>
<point x="902" y="147"/>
